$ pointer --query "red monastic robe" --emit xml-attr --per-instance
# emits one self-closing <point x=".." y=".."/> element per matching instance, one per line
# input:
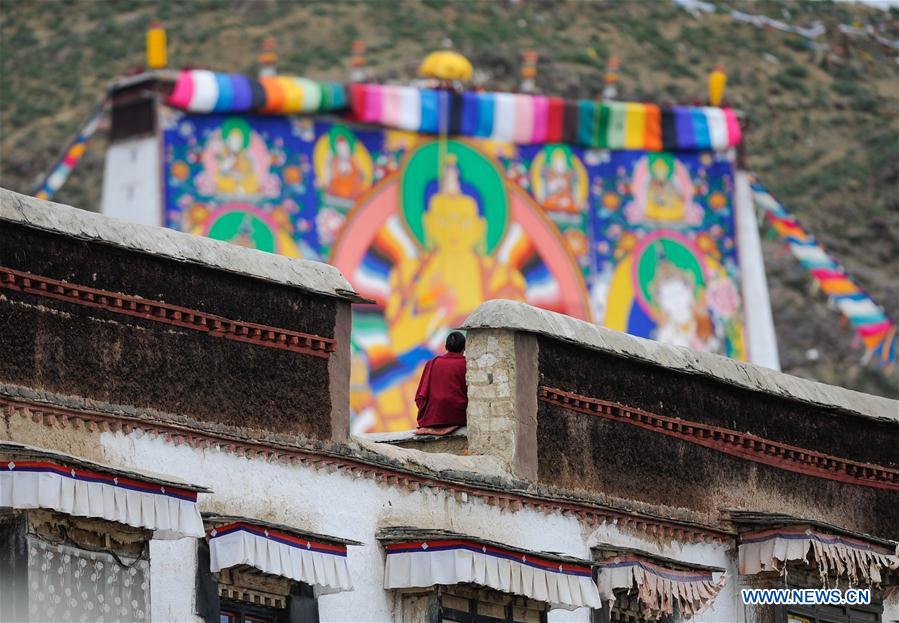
<point x="442" y="395"/>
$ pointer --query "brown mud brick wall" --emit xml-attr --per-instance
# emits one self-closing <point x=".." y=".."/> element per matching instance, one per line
<point x="73" y="349"/>
<point x="588" y="452"/>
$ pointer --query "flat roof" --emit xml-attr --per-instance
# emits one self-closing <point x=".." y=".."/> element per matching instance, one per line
<point x="316" y="277"/>
<point x="500" y="314"/>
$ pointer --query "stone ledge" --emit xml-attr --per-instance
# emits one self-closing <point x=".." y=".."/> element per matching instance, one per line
<point x="316" y="277"/>
<point x="510" y="315"/>
<point x="454" y="443"/>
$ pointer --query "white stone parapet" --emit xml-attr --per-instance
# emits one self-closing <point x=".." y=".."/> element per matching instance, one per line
<point x="509" y="316"/>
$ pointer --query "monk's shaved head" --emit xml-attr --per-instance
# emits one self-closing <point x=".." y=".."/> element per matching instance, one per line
<point x="455" y="342"/>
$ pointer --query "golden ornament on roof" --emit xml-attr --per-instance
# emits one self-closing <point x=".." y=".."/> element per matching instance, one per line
<point x="446" y="65"/>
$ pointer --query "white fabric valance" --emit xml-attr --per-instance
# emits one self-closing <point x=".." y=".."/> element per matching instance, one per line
<point x="426" y="563"/>
<point x="838" y="556"/>
<point x="660" y="588"/>
<point x="170" y="511"/>
<point x="322" y="565"/>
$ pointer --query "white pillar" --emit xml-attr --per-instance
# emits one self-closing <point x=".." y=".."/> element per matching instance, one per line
<point x="132" y="188"/>
<point x="760" y="337"/>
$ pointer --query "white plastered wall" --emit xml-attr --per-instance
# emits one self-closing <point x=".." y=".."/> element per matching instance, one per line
<point x="341" y="505"/>
<point x="132" y="189"/>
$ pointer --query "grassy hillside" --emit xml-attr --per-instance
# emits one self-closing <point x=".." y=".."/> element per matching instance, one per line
<point x="824" y="133"/>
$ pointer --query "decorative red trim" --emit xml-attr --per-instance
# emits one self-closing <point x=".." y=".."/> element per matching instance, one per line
<point x="504" y="499"/>
<point x="157" y="311"/>
<point x="275" y="535"/>
<point x="736" y="443"/>
<point x="532" y="559"/>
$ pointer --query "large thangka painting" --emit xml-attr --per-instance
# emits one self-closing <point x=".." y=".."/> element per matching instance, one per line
<point x="429" y="229"/>
<point x="664" y="250"/>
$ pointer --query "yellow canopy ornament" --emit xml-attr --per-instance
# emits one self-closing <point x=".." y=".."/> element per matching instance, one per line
<point x="446" y="65"/>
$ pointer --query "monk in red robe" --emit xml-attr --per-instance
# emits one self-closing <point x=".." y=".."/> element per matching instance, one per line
<point x="442" y="395"/>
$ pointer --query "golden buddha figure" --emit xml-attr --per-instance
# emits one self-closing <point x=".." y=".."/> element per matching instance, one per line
<point x="437" y="290"/>
<point x="664" y="200"/>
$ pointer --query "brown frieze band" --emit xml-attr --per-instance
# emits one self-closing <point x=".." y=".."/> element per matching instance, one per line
<point x="157" y="311"/>
<point x="736" y="443"/>
<point x="504" y="499"/>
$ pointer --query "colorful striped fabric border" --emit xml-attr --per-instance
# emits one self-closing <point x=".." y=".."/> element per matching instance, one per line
<point x="527" y="119"/>
<point x="203" y="91"/>
<point x="62" y="169"/>
<point x="876" y="331"/>
<point x="508" y="117"/>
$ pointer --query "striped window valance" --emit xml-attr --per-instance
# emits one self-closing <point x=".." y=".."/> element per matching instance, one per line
<point x="834" y="555"/>
<point x="318" y="561"/>
<point x="33" y="478"/>
<point x="662" y="587"/>
<point x="442" y="559"/>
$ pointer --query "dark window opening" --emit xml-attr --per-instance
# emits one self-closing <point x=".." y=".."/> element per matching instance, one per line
<point x="806" y="576"/>
<point x="134" y="118"/>
<point x="241" y="612"/>
<point x="463" y="603"/>
<point x="627" y="609"/>
<point x="829" y="614"/>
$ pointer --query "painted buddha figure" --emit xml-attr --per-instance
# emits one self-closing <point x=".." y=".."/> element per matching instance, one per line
<point x="437" y="289"/>
<point x="235" y="166"/>
<point x="559" y="184"/>
<point x="681" y="317"/>
<point x="244" y="235"/>
<point x="346" y="178"/>
<point x="664" y="199"/>
<point x="440" y="288"/>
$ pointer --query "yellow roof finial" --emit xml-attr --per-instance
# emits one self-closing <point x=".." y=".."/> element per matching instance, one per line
<point x="717" y="83"/>
<point x="157" y="54"/>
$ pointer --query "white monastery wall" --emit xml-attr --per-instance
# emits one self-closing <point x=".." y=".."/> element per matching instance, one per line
<point x="340" y="505"/>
